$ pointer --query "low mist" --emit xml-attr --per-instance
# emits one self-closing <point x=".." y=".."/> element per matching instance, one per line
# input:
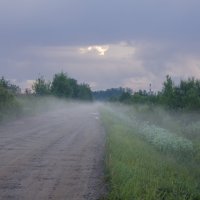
<point x="167" y="130"/>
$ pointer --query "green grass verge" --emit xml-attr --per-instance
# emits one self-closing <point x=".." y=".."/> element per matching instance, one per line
<point x="138" y="171"/>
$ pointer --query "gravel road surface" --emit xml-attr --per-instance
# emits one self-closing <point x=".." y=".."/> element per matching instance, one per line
<point x="57" y="155"/>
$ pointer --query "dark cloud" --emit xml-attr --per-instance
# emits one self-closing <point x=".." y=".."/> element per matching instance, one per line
<point x="88" y="21"/>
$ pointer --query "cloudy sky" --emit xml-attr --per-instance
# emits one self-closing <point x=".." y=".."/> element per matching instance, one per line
<point x="107" y="43"/>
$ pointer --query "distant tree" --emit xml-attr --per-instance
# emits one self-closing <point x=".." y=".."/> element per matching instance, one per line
<point x="4" y="83"/>
<point x="84" y="92"/>
<point x="8" y="103"/>
<point x="74" y="87"/>
<point x="168" y="92"/>
<point x="5" y="97"/>
<point x="190" y="93"/>
<point x="140" y="96"/>
<point x="14" y="89"/>
<point x="186" y="95"/>
<point x="125" y="97"/>
<point x="28" y="91"/>
<point x="41" y="87"/>
<point x="112" y="94"/>
<point x="61" y="86"/>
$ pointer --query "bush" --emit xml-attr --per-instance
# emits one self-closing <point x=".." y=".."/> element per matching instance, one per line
<point x="8" y="103"/>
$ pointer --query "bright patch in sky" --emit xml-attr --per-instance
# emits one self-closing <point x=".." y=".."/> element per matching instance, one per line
<point x="26" y="84"/>
<point x="100" y="50"/>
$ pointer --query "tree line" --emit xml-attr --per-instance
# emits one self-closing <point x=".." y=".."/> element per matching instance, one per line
<point x="62" y="86"/>
<point x="112" y="94"/>
<point x="185" y="95"/>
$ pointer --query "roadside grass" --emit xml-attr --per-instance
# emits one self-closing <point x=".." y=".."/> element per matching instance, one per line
<point x="28" y="105"/>
<point x="9" y="110"/>
<point x="31" y="105"/>
<point x="136" y="170"/>
<point x="21" y="106"/>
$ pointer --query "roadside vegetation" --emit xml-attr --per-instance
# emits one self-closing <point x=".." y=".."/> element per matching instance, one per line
<point x="153" y="143"/>
<point x="62" y="86"/>
<point x="151" y="156"/>
<point x="182" y="96"/>
<point x="112" y="94"/>
<point x="14" y="103"/>
<point x="9" y="106"/>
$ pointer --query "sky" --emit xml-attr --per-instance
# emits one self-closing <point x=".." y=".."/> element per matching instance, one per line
<point x="107" y="43"/>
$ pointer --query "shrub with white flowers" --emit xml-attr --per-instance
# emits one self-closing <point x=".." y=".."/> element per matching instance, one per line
<point x="164" y="139"/>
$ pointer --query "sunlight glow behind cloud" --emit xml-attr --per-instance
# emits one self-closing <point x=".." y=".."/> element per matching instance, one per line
<point x="100" y="50"/>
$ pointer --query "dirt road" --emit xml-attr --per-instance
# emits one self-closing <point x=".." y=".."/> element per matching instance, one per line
<point x="57" y="156"/>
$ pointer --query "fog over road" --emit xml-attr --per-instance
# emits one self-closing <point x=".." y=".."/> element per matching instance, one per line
<point x="56" y="155"/>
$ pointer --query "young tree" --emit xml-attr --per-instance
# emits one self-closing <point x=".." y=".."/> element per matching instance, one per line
<point x="168" y="92"/>
<point x="8" y="103"/>
<point x="112" y="94"/>
<point x="41" y="87"/>
<point x="5" y="97"/>
<point x="85" y="92"/>
<point x="14" y="89"/>
<point x="125" y="97"/>
<point x="4" y="83"/>
<point x="61" y="85"/>
<point x="74" y="87"/>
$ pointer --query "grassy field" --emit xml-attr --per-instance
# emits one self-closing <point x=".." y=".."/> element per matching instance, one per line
<point x="145" y="161"/>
